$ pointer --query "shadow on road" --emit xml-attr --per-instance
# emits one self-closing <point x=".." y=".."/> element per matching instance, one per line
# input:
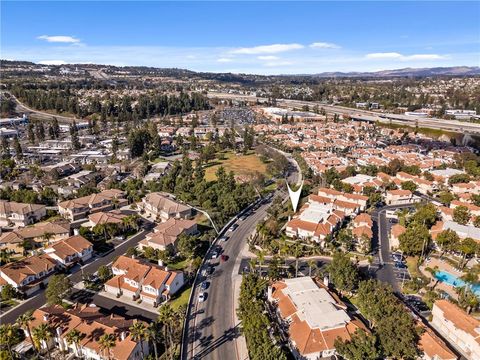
<point x="209" y="345"/>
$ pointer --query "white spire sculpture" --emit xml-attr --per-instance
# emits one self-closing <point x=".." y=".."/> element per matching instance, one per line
<point x="294" y="195"/>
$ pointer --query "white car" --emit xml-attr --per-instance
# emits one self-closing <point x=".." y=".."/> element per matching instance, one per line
<point x="201" y="297"/>
<point x="214" y="255"/>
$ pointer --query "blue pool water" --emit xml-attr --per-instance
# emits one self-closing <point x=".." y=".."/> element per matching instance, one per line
<point x="453" y="280"/>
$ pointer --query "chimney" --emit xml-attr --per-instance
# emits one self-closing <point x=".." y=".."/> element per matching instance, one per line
<point x="123" y="335"/>
<point x="325" y="281"/>
<point x="58" y="330"/>
<point x="166" y="268"/>
<point x="76" y="232"/>
<point x="269" y="293"/>
<point x="160" y="262"/>
<point x="45" y="317"/>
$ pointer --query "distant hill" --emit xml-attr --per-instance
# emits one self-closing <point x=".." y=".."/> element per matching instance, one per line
<point x="408" y="72"/>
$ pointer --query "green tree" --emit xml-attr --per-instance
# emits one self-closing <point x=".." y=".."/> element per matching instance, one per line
<point x="9" y="336"/>
<point x="361" y="346"/>
<point x="166" y="318"/>
<point x="8" y="292"/>
<point x="138" y="332"/>
<point x="409" y="185"/>
<point x="425" y="215"/>
<point x="107" y="342"/>
<point x="447" y="240"/>
<point x="73" y="337"/>
<point x="343" y="273"/>
<point x="42" y="334"/>
<point x="461" y="215"/>
<point x="415" y="239"/>
<point x="104" y="273"/>
<point x="446" y="197"/>
<point x="58" y="288"/>
<point x="24" y="321"/>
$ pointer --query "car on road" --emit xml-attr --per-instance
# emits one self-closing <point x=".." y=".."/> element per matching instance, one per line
<point x="204" y="285"/>
<point x="202" y="297"/>
<point x="224" y="258"/>
<point x="397" y="257"/>
<point x="233" y="228"/>
<point x="214" y="254"/>
<point x="400" y="265"/>
<point x="224" y="238"/>
<point x="243" y="217"/>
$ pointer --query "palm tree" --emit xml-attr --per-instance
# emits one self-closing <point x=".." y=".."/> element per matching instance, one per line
<point x="253" y="265"/>
<point x="138" y="332"/>
<point x="107" y="342"/>
<point x="166" y="317"/>
<point x="9" y="337"/>
<point x="152" y="335"/>
<point x="42" y="334"/>
<point x="261" y="260"/>
<point x="297" y="252"/>
<point x="5" y="256"/>
<point x="24" y="321"/>
<point x="74" y="337"/>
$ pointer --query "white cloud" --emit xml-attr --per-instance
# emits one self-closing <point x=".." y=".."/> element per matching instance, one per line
<point x="268" y="57"/>
<point x="389" y="55"/>
<point x="224" y="60"/>
<point x="52" y="62"/>
<point x="59" y="39"/>
<point x="398" y="56"/>
<point x="324" y="45"/>
<point x="267" y="49"/>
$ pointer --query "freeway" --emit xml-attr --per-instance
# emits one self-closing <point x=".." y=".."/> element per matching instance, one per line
<point x="366" y="115"/>
<point x="210" y="329"/>
<point x="38" y="300"/>
<point x="22" y="108"/>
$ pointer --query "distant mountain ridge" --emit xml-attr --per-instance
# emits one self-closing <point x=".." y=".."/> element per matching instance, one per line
<point x="222" y="76"/>
<point x="407" y="72"/>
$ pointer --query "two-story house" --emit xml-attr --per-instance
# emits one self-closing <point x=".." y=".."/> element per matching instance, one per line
<point x="161" y="207"/>
<point x="75" y="249"/>
<point x="20" y="214"/>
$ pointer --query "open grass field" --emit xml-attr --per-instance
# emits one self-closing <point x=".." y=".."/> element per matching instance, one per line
<point x="239" y="164"/>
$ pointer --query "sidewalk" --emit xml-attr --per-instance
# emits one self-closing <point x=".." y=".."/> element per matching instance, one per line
<point x="240" y="341"/>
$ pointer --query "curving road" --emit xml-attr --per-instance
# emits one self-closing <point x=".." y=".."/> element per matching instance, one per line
<point x="22" y="108"/>
<point x="210" y="330"/>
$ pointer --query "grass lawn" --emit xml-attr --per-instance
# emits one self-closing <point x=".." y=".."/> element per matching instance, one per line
<point x="179" y="265"/>
<point x="239" y="164"/>
<point x="182" y="299"/>
<point x="412" y="262"/>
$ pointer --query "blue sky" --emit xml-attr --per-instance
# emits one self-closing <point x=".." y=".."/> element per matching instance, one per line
<point x="252" y="37"/>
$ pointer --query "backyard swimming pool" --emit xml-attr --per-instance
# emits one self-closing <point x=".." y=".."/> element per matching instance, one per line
<point x="455" y="281"/>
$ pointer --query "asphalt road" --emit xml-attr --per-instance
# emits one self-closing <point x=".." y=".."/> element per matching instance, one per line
<point x="41" y="115"/>
<point x="386" y="271"/>
<point x="210" y="331"/>
<point x="38" y="300"/>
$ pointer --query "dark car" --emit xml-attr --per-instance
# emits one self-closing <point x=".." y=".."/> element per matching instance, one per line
<point x="204" y="285"/>
<point x="400" y="265"/>
<point x="224" y="258"/>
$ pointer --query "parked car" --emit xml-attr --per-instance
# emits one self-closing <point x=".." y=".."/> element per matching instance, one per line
<point x="400" y="265"/>
<point x="214" y="254"/>
<point x="233" y="228"/>
<point x="397" y="257"/>
<point x="204" y="285"/>
<point x="202" y="296"/>
<point x="224" y="258"/>
<point x="224" y="238"/>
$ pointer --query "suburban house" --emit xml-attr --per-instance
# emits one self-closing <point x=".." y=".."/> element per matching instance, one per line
<point x="88" y="320"/>
<point x="397" y="197"/>
<point x="36" y="235"/>
<point x="20" y="214"/>
<point x="312" y="317"/>
<point x="167" y="233"/>
<point x="463" y="231"/>
<point x="161" y="207"/>
<point x="109" y="217"/>
<point x="474" y="210"/>
<point x="136" y="280"/>
<point x="75" y="249"/>
<point x="362" y="232"/>
<point x="456" y="326"/>
<point x="81" y="207"/>
<point x="29" y="274"/>
<point x="395" y="233"/>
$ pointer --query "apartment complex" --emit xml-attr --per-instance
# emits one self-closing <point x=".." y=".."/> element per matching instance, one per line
<point x="312" y="316"/>
<point x="137" y="280"/>
<point x="458" y="327"/>
<point x="80" y="208"/>
<point x="88" y="320"/>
